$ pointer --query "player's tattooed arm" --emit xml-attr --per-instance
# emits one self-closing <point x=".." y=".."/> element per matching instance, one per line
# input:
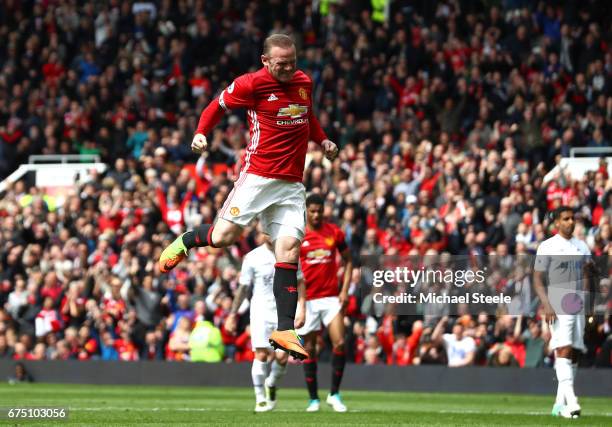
<point x="231" y="322"/>
<point x="241" y="293"/>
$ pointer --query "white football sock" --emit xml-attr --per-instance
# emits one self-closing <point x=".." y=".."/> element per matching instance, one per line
<point x="565" y="376"/>
<point x="258" y="373"/>
<point x="574" y="372"/>
<point x="276" y="372"/>
<point x="560" y="399"/>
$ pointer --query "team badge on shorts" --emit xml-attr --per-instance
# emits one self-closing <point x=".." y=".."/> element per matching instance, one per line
<point x="234" y="211"/>
<point x="303" y="93"/>
<point x="572" y="303"/>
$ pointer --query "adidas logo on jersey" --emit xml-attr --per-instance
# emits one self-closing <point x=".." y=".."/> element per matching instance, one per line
<point x="272" y="98"/>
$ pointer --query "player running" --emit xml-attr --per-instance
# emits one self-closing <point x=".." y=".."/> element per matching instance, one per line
<point x="324" y="304"/>
<point x="566" y="261"/>
<point x="258" y="272"/>
<point x="278" y="99"/>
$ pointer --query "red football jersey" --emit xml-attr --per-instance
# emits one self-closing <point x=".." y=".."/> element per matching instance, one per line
<point x="318" y="259"/>
<point x="280" y="119"/>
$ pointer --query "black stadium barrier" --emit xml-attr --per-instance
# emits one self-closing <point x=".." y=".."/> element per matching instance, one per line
<point x="589" y="381"/>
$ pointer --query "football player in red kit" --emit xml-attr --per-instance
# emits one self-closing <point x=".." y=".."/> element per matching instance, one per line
<point x="325" y="302"/>
<point x="278" y="99"/>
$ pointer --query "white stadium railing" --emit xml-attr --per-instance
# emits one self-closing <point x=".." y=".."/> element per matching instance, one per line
<point x="61" y="170"/>
<point x="64" y="158"/>
<point x="590" y="150"/>
<point x="577" y="167"/>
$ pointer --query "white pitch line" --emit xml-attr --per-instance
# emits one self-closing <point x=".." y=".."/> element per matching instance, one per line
<point x="123" y="408"/>
<point x="442" y="411"/>
<point x="473" y="411"/>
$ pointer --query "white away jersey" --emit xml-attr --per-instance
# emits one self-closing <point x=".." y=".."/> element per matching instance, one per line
<point x="563" y="261"/>
<point x="258" y="271"/>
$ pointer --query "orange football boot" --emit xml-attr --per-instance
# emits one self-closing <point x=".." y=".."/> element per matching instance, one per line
<point x="174" y="253"/>
<point x="290" y="342"/>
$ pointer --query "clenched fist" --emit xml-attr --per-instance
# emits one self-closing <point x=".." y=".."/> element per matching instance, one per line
<point x="199" y="144"/>
<point x="329" y="149"/>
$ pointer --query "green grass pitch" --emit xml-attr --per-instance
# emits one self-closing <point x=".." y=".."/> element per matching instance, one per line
<point x="155" y="405"/>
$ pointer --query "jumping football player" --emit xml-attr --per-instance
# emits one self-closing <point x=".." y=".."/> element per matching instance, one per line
<point x="278" y="99"/>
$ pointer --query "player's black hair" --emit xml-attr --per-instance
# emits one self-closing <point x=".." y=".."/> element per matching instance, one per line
<point x="556" y="214"/>
<point x="315" y="199"/>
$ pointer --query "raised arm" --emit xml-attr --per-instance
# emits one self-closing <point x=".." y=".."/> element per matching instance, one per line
<point x="438" y="331"/>
<point x="518" y="326"/>
<point x="237" y="95"/>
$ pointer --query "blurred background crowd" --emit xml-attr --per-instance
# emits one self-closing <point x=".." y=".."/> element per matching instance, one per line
<point x="448" y="114"/>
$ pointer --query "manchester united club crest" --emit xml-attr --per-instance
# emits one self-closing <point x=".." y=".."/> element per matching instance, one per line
<point x="303" y="93"/>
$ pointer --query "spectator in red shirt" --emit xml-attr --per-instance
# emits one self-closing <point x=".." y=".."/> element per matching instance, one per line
<point x="405" y="349"/>
<point x="125" y="347"/>
<point x="356" y="343"/>
<point x="103" y="253"/>
<point x="113" y="305"/>
<point x="385" y="336"/>
<point x="72" y="306"/>
<point x="52" y="287"/>
<point x="21" y="352"/>
<point x="39" y="352"/>
<point x="87" y="345"/>
<point x="153" y="346"/>
<point x="244" y="352"/>
<point x="373" y="353"/>
<point x="48" y="319"/>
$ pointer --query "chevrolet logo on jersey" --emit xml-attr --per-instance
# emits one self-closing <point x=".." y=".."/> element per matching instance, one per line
<point x="318" y="253"/>
<point x="293" y="110"/>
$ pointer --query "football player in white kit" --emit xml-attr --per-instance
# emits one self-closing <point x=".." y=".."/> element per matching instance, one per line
<point x="565" y="261"/>
<point x="258" y="272"/>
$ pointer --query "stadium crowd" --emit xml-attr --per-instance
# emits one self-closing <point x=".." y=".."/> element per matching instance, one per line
<point x="449" y="114"/>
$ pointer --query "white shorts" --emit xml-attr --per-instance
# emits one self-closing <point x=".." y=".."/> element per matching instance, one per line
<point x="264" y="321"/>
<point x="568" y="329"/>
<point x="320" y="310"/>
<point x="280" y="204"/>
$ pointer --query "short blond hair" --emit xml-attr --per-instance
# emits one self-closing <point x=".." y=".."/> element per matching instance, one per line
<point x="277" y="40"/>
